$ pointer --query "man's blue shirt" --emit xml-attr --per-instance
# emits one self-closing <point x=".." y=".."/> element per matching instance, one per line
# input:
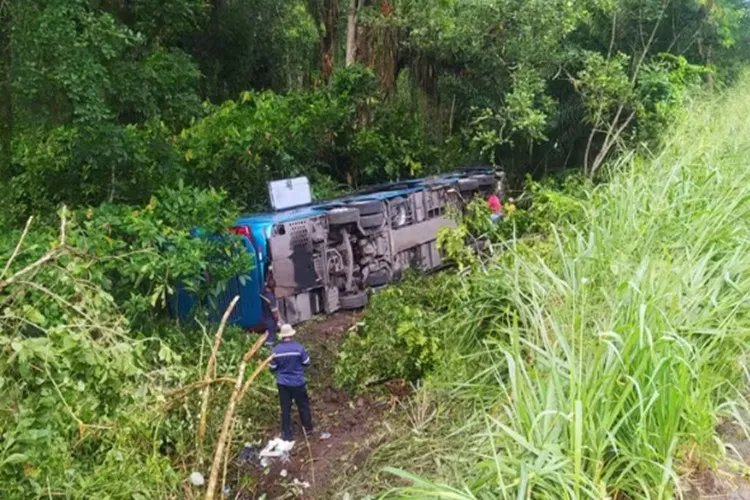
<point x="289" y="360"/>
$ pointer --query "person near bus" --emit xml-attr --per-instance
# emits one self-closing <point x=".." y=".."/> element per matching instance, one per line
<point x="288" y="364"/>
<point x="496" y="206"/>
<point x="270" y="317"/>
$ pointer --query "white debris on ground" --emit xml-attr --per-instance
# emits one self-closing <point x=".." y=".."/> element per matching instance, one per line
<point x="276" y="448"/>
<point x="325" y="435"/>
<point x="303" y="484"/>
<point x="283" y="473"/>
<point x="196" y="478"/>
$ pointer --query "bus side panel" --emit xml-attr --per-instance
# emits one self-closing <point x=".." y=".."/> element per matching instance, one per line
<point x="247" y="312"/>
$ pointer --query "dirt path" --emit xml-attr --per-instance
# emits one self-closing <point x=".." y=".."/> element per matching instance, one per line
<point x="729" y="481"/>
<point x="351" y="424"/>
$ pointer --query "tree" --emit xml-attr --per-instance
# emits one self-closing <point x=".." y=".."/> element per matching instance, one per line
<point x="326" y="14"/>
<point x="351" y="32"/>
<point x="6" y="97"/>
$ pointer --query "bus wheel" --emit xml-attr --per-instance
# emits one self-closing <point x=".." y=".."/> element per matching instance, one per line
<point x="368" y="207"/>
<point x="356" y="301"/>
<point x="342" y="215"/>
<point x="372" y="221"/>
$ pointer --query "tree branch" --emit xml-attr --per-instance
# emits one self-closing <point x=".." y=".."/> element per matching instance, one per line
<point x="210" y="373"/>
<point x="18" y="247"/>
<point x="229" y="416"/>
<point x="50" y="255"/>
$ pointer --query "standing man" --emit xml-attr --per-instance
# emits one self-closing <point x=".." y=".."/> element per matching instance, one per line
<point x="269" y="310"/>
<point x="289" y="361"/>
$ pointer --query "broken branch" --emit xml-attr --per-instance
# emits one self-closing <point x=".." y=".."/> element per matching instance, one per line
<point x="210" y="373"/>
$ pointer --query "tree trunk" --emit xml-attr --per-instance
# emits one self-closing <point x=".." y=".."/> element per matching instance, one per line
<point x="704" y="39"/>
<point x="6" y="99"/>
<point x="351" y="33"/>
<point x="329" y="39"/>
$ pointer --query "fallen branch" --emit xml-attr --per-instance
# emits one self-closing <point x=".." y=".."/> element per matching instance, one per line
<point x="50" y="255"/>
<point x="245" y="388"/>
<point x="309" y="452"/>
<point x="210" y="373"/>
<point x="252" y="378"/>
<point x="18" y="247"/>
<point x="82" y="426"/>
<point x="183" y="392"/>
<point x="226" y="456"/>
<point x="229" y="416"/>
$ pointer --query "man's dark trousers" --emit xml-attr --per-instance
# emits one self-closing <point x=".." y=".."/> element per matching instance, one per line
<point x="298" y="394"/>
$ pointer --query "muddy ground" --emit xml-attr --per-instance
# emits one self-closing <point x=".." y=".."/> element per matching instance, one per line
<point x="354" y="424"/>
<point x="728" y="479"/>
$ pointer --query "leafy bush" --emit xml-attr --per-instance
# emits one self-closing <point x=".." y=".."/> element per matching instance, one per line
<point x="78" y="410"/>
<point x="85" y="381"/>
<point x="163" y="251"/>
<point x="139" y="254"/>
<point x="400" y="335"/>
<point x="543" y="205"/>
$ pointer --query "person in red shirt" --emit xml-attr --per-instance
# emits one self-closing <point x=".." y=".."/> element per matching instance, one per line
<point x="496" y="206"/>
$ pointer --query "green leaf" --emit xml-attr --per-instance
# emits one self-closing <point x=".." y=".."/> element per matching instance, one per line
<point x="15" y="458"/>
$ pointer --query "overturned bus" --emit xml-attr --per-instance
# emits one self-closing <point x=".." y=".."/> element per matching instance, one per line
<point x="325" y="256"/>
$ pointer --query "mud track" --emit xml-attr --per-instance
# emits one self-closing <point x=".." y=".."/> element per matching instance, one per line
<point x="354" y="424"/>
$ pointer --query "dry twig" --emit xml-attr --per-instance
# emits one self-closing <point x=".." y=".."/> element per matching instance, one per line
<point x="229" y="415"/>
<point x="210" y="373"/>
<point x="18" y="247"/>
<point x="182" y="392"/>
<point x="50" y="255"/>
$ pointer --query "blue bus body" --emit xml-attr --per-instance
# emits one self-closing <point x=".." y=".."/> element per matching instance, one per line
<point x="324" y="256"/>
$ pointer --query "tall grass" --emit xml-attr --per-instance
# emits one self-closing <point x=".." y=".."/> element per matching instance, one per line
<point x="627" y="345"/>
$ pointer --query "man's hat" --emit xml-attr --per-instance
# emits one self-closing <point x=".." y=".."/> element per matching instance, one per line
<point x="286" y="331"/>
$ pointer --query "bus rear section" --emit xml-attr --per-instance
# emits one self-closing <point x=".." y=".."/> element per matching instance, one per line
<point x="326" y="260"/>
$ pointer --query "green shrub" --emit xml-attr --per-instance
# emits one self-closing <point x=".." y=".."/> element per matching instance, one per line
<point x="89" y="359"/>
<point x="543" y="206"/>
<point x="400" y="335"/>
<point x="78" y="411"/>
<point x="626" y="342"/>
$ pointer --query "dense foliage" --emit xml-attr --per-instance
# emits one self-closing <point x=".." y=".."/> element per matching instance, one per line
<point x="596" y="358"/>
<point x="148" y="119"/>
<point x="396" y="338"/>
<point x="101" y="101"/>
<point x="86" y="370"/>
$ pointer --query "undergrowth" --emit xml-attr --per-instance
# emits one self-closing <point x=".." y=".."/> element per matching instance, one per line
<point x="98" y="394"/>
<point x="598" y="360"/>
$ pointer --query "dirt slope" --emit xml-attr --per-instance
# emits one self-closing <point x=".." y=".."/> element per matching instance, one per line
<point x="353" y="424"/>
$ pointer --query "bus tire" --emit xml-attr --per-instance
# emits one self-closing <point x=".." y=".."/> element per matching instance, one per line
<point x="342" y="215"/>
<point x="356" y="301"/>
<point x="368" y="207"/>
<point x="372" y="221"/>
<point x="378" y="278"/>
